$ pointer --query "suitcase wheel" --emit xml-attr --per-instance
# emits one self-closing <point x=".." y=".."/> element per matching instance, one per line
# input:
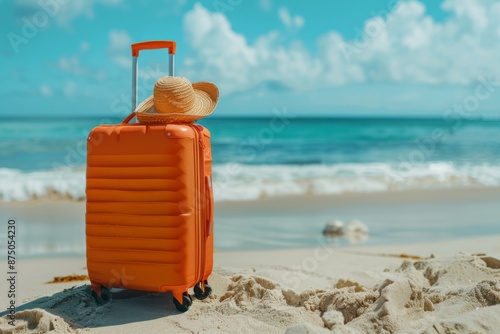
<point x="105" y="296"/>
<point x="202" y="290"/>
<point x="186" y="302"/>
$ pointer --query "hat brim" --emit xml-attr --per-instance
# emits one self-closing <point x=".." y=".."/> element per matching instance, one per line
<point x="206" y="99"/>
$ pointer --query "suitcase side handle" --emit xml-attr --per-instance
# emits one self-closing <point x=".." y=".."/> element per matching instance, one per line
<point x="129" y="118"/>
<point x="209" y="205"/>
<point x="149" y="45"/>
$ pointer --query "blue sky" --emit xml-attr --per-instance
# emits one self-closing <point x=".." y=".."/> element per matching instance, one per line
<point x="72" y="57"/>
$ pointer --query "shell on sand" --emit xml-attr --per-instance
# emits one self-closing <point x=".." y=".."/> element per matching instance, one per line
<point x="355" y="226"/>
<point x="333" y="228"/>
<point x="354" y="231"/>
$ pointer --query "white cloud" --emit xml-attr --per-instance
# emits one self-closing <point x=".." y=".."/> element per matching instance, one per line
<point x="123" y="61"/>
<point x="70" y="65"/>
<point x="409" y="46"/>
<point x="63" y="11"/>
<point x="70" y="88"/>
<point x="222" y="55"/>
<point x="119" y="48"/>
<point x="73" y="66"/>
<point x="289" y="21"/>
<point x="406" y="45"/>
<point x="84" y="46"/>
<point x="45" y="91"/>
<point x="119" y="40"/>
<point x="265" y="5"/>
<point x="175" y="5"/>
<point x="164" y="8"/>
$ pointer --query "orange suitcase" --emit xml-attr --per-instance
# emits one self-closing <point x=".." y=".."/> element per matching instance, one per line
<point x="149" y="209"/>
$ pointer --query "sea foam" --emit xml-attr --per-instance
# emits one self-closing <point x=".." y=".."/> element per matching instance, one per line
<point x="237" y="182"/>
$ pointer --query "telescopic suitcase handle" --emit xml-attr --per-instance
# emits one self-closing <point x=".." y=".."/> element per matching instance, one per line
<point x="150" y="45"/>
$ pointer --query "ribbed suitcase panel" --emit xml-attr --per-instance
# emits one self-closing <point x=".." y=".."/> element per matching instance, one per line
<point x="139" y="160"/>
<point x="137" y="173"/>
<point x="144" y="222"/>
<point x="153" y="244"/>
<point x="120" y="231"/>
<point x="120" y="255"/>
<point x="135" y="185"/>
<point x="104" y="195"/>
<point x="141" y="206"/>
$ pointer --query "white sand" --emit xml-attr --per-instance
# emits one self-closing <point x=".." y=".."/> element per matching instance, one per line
<point x="320" y="290"/>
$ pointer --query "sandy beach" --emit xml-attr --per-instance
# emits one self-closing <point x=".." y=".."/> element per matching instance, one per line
<point x="453" y="288"/>
<point x="448" y="285"/>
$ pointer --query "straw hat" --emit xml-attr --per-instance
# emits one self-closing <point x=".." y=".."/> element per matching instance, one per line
<point x="176" y="100"/>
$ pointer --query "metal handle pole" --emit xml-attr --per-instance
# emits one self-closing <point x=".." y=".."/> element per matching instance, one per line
<point x="171" y="64"/>
<point x="134" y="83"/>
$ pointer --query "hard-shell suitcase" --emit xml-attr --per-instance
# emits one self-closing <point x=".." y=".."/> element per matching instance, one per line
<point x="149" y="210"/>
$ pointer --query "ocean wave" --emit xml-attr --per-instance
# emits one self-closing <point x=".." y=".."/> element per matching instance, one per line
<point x="235" y="182"/>
<point x="238" y="182"/>
<point x="16" y="185"/>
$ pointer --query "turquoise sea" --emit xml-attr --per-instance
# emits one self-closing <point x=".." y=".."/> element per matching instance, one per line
<point x="256" y="158"/>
